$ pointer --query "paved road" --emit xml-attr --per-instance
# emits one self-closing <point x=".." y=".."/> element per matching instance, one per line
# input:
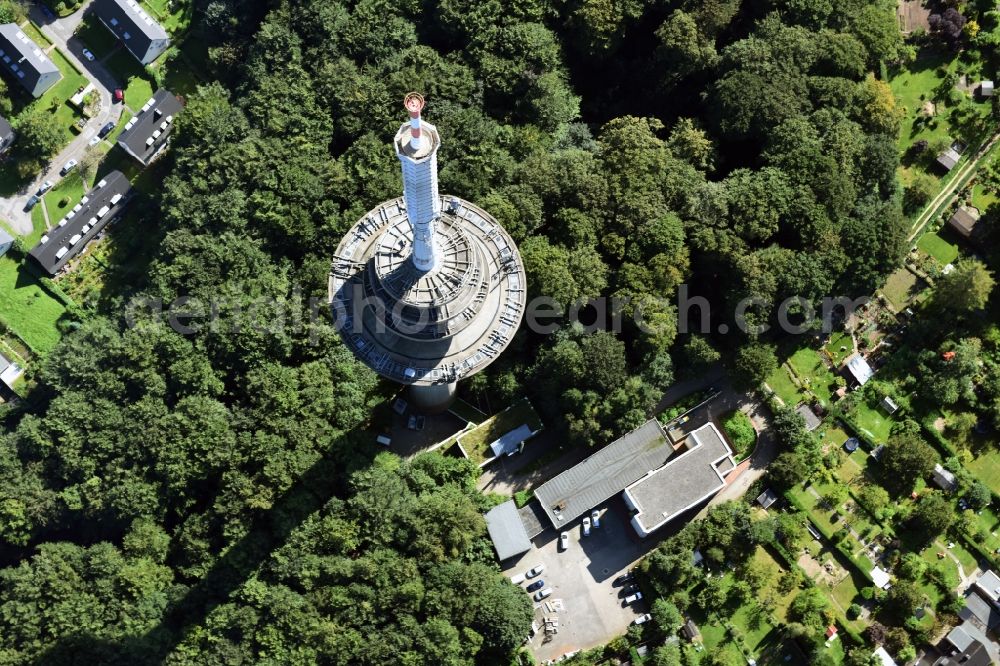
<point x="60" y="33"/>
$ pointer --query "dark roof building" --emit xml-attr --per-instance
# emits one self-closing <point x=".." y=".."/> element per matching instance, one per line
<point x="966" y="644"/>
<point x="605" y="473"/>
<point x="81" y="225"/>
<point x="142" y="36"/>
<point x="25" y="61"/>
<point x="964" y="221"/>
<point x="145" y="135"/>
<point x="684" y="482"/>
<point x="6" y="134"/>
<point x="767" y="498"/>
<point x="944" y="479"/>
<point x="507" y="531"/>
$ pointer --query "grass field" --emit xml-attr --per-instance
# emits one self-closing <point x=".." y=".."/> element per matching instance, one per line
<point x="873" y="421"/>
<point x="902" y="288"/>
<point x="783" y="386"/>
<point x="986" y="467"/>
<point x="813" y="372"/>
<point x="983" y="198"/>
<point x="27" y="308"/>
<point x="175" y="20"/>
<point x="942" y="251"/>
<point x="833" y="348"/>
<point x="69" y="190"/>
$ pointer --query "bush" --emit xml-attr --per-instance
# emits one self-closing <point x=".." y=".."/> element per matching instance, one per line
<point x="741" y="433"/>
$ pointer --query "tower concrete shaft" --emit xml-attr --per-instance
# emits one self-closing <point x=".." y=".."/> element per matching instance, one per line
<point x="416" y="146"/>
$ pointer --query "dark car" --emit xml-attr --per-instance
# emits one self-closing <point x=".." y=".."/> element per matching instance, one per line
<point x="106" y="130"/>
<point x="34" y="199"/>
<point x="624" y="578"/>
<point x="537" y="585"/>
<point x="46" y="11"/>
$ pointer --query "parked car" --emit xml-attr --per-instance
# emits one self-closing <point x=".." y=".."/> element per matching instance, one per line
<point x="384" y="440"/>
<point x="531" y="573"/>
<point x="586" y="526"/>
<point x="632" y="598"/>
<point x="642" y="619"/>
<point x="119" y="95"/>
<point x="595" y="518"/>
<point x="46" y="12"/>
<point x="32" y="200"/>
<point x="45" y="187"/>
<point x="94" y="140"/>
<point x="537" y="585"/>
<point x="415" y="422"/>
<point x="88" y="55"/>
<point x="517" y="579"/>
<point x="563" y="541"/>
<point x="541" y="594"/>
<point x="629" y="589"/>
<point x="67" y="167"/>
<point x="624" y="578"/>
<point x="106" y="130"/>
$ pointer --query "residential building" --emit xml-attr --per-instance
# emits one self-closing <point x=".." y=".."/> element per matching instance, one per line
<point x="145" y="135"/>
<point x="966" y="644"/>
<point x="83" y="223"/>
<point x="685" y="481"/>
<point x="507" y="531"/>
<point x="884" y="657"/>
<point x="10" y="372"/>
<point x="142" y="36"/>
<point x="6" y="242"/>
<point x="889" y="405"/>
<point x="809" y="416"/>
<point x="7" y="135"/>
<point x="25" y="61"/>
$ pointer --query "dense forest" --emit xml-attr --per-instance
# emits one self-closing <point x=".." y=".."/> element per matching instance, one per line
<point x="210" y="498"/>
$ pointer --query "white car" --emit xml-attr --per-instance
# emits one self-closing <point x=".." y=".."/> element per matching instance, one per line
<point x="68" y="167"/>
<point x="642" y="619"/>
<point x="94" y="140"/>
<point x="586" y="527"/>
<point x="517" y="579"/>
<point x="541" y="594"/>
<point x="563" y="541"/>
<point x="531" y="573"/>
<point x="88" y="55"/>
<point x="632" y="598"/>
<point x="595" y="517"/>
<point x="44" y="187"/>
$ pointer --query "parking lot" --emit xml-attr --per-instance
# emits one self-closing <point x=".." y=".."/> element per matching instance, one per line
<point x="588" y="608"/>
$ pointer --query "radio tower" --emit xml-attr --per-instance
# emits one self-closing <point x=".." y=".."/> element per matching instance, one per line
<point x="426" y="289"/>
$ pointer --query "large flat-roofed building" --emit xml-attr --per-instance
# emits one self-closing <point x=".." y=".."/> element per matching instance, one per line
<point x="507" y="531"/>
<point x="138" y="31"/>
<point x="684" y="482"/>
<point x="145" y="135"/>
<point x="81" y="225"/>
<point x="25" y="61"/>
<point x="604" y="474"/>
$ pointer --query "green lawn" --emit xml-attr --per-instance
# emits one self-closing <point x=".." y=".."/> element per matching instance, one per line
<point x="833" y="348"/>
<point x="174" y="22"/>
<point x="27" y="308"/>
<point x="937" y="247"/>
<point x="902" y="288"/>
<point x="982" y="198"/>
<point x="69" y="190"/>
<point x="874" y="422"/>
<point x="33" y="33"/>
<point x="134" y="78"/>
<point x="813" y="372"/>
<point x="783" y="386"/>
<point x="986" y="467"/>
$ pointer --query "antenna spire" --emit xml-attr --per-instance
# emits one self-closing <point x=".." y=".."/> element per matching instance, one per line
<point x="414" y="103"/>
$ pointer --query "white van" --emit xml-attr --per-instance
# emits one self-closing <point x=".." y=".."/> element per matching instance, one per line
<point x="517" y="579"/>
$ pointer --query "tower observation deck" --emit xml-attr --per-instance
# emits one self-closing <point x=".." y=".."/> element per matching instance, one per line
<point x="426" y="289"/>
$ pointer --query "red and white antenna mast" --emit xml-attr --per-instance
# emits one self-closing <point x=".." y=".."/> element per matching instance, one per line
<point x="414" y="103"/>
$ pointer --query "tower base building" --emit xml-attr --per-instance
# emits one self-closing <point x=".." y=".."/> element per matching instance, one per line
<point x="426" y="289"/>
